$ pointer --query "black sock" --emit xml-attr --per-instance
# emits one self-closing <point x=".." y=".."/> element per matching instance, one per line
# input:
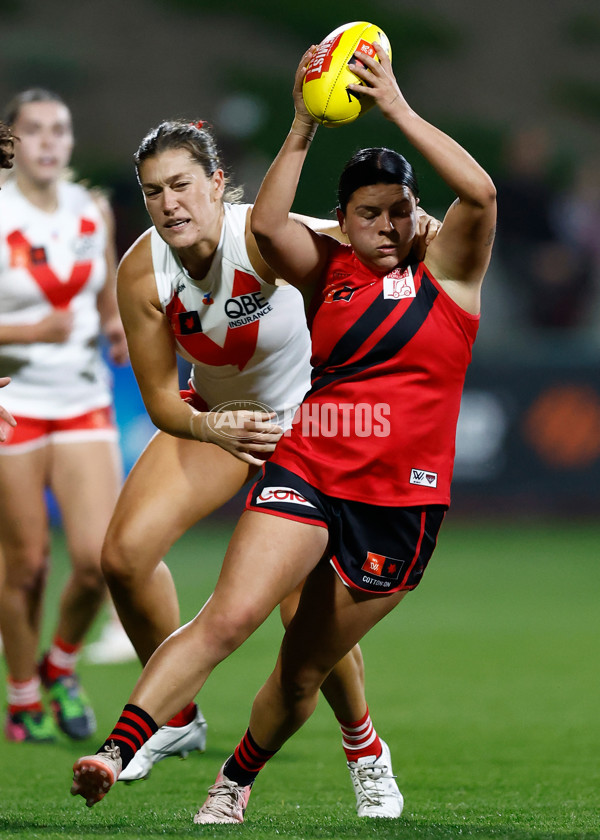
<point x="133" y="729"/>
<point x="243" y="766"/>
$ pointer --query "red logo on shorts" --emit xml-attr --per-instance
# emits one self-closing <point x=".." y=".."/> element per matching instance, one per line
<point x="378" y="564"/>
<point x="287" y="495"/>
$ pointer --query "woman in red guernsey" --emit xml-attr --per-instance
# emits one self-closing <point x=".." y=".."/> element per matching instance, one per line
<point x="354" y="496"/>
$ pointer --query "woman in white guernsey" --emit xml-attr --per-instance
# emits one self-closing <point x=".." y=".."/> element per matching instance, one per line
<point x="57" y="297"/>
<point x="195" y="284"/>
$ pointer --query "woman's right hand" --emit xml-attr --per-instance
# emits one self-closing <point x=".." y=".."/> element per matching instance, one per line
<point x="249" y="435"/>
<point x="55" y="328"/>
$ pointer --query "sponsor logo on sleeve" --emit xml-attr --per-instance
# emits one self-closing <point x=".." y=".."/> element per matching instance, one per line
<point x="423" y="477"/>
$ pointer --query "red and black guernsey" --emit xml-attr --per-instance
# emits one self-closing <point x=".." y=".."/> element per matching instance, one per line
<point x="389" y="358"/>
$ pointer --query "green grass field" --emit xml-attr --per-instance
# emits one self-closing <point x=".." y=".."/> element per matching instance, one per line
<point x="484" y="682"/>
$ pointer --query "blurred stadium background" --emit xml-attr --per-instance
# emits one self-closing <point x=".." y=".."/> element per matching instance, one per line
<point x="517" y="83"/>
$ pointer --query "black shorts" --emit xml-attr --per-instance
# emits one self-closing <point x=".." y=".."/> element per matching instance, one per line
<point x="371" y="547"/>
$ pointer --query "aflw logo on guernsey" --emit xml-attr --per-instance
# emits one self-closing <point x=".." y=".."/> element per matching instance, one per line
<point x="423" y="477"/>
<point x="244" y="309"/>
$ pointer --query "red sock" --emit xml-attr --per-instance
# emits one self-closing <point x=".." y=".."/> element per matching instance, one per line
<point x="183" y="717"/>
<point x="359" y="739"/>
<point x="60" y="660"/>
<point x="248" y="759"/>
<point x="24" y="696"/>
<point x="132" y="730"/>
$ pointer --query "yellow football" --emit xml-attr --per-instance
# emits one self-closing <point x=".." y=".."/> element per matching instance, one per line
<point x="325" y="85"/>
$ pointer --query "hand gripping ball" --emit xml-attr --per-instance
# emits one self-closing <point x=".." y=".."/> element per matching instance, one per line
<point x="324" y="88"/>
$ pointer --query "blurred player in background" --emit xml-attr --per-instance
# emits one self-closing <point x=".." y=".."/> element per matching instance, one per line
<point x="6" y="158"/>
<point x="57" y="299"/>
<point x="195" y="283"/>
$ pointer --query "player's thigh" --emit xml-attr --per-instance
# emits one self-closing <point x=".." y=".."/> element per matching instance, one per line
<point x="174" y="484"/>
<point x="267" y="558"/>
<point x="330" y="620"/>
<point x="85" y="478"/>
<point x="23" y="512"/>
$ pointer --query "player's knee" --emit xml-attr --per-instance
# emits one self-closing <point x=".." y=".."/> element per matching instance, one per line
<point x="228" y="632"/>
<point x="120" y="557"/>
<point x="87" y="573"/>
<point x="299" y="684"/>
<point x="26" y="565"/>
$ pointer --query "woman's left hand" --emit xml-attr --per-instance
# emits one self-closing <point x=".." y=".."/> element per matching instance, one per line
<point x="299" y="105"/>
<point x="380" y="82"/>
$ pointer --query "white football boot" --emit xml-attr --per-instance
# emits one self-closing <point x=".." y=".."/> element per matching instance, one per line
<point x="94" y="775"/>
<point x="169" y="740"/>
<point x="226" y="802"/>
<point x="374" y="783"/>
